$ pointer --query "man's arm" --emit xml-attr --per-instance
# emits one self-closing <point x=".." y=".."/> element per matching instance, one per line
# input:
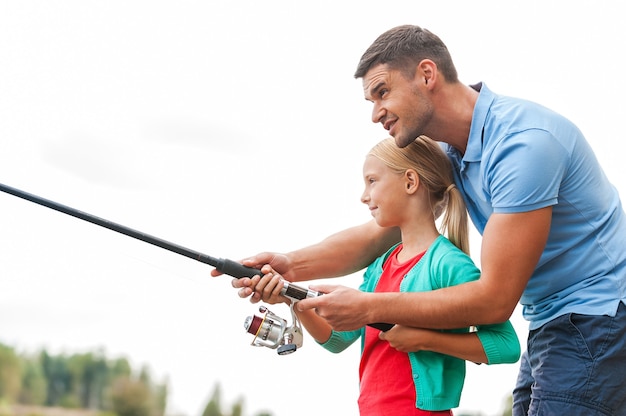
<point x="340" y="254"/>
<point x="511" y="248"/>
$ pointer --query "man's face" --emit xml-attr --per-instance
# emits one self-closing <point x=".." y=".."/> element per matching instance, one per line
<point x="401" y="105"/>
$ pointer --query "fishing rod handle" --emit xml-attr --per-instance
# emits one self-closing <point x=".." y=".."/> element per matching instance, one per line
<point x="383" y="326"/>
<point x="298" y="293"/>
<point x="238" y="270"/>
<point x="234" y="269"/>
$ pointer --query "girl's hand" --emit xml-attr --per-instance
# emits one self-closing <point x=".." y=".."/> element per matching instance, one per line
<point x="407" y="339"/>
<point x="269" y="287"/>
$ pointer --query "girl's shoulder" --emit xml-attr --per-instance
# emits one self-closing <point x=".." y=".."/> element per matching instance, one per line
<point x="448" y="265"/>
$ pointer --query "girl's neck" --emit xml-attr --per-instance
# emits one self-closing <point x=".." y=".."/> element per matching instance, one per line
<point x="416" y="241"/>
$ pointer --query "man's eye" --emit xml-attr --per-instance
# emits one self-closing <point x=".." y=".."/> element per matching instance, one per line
<point x="382" y="93"/>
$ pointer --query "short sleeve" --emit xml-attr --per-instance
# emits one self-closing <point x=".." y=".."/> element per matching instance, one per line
<point x="524" y="171"/>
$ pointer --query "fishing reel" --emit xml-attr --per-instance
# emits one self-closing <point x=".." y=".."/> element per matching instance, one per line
<point x="274" y="332"/>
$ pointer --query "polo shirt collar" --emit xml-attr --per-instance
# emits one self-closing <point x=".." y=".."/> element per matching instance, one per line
<point x="473" y="151"/>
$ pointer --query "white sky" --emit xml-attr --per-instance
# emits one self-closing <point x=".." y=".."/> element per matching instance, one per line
<point x="234" y="127"/>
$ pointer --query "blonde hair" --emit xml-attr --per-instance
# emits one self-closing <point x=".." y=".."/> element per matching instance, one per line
<point x="428" y="159"/>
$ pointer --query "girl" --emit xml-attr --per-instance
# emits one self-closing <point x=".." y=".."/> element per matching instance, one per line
<point x="412" y="371"/>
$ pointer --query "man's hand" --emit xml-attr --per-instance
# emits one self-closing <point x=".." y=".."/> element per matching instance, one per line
<point x="344" y="308"/>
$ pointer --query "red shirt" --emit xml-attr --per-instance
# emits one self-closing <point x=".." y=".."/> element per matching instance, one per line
<point x="386" y="378"/>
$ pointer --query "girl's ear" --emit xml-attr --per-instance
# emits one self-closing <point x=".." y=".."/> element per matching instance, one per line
<point x="411" y="181"/>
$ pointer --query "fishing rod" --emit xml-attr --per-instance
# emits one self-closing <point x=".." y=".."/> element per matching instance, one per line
<point x="229" y="267"/>
<point x="269" y="330"/>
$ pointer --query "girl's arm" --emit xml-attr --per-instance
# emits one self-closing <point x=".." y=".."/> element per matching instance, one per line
<point x="317" y="327"/>
<point x="466" y="346"/>
<point x="491" y="344"/>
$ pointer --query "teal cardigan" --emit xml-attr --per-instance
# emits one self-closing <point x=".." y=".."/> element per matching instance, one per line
<point x="438" y="377"/>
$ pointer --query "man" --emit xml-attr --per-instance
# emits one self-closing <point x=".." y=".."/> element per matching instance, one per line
<point x="553" y="228"/>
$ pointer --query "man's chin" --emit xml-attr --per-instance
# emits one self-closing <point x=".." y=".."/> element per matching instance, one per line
<point x="402" y="142"/>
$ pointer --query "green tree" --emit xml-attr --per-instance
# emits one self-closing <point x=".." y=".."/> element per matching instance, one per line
<point x="237" y="409"/>
<point x="130" y="397"/>
<point x="10" y="374"/>
<point x="120" y="368"/>
<point x="214" y="406"/>
<point x="90" y="376"/>
<point x="160" y="398"/>
<point x="79" y="380"/>
<point x="34" y="383"/>
<point x="56" y="372"/>
<point x="138" y="396"/>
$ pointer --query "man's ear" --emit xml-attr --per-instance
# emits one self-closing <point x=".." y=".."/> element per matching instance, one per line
<point x="411" y="181"/>
<point x="427" y="72"/>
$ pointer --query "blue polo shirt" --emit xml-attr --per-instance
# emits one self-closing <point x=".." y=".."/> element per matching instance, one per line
<point x="521" y="157"/>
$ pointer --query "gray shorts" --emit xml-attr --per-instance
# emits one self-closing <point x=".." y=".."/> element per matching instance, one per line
<point x="574" y="365"/>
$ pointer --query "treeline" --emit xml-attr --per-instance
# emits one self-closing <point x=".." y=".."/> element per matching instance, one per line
<point x="214" y="406"/>
<point x="85" y="381"/>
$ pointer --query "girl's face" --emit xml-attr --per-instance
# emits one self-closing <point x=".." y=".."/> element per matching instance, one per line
<point x="385" y="192"/>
